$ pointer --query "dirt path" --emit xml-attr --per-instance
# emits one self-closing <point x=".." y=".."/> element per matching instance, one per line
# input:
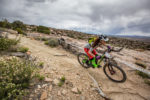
<point x="60" y="63"/>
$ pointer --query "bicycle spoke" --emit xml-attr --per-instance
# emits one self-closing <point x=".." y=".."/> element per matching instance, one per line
<point x="82" y="58"/>
<point x="114" y="73"/>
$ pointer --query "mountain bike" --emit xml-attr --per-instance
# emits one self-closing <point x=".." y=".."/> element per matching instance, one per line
<point x="110" y="68"/>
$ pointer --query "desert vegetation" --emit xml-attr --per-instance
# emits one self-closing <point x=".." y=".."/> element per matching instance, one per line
<point x="16" y="73"/>
<point x="22" y="28"/>
<point x="52" y="42"/>
<point x="6" y="43"/>
<point x="139" y="63"/>
<point x="15" y="77"/>
<point x="145" y="76"/>
<point x="22" y="49"/>
<point x="43" y="29"/>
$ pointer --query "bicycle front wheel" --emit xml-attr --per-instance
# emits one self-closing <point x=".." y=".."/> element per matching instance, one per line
<point x="83" y="59"/>
<point x="114" y="73"/>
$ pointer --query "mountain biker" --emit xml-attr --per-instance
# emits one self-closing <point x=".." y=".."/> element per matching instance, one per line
<point x="90" y="47"/>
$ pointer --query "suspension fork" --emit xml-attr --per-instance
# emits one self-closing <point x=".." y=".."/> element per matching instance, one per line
<point x="101" y="59"/>
<point x="110" y="68"/>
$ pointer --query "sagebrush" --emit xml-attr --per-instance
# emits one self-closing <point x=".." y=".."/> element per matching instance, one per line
<point x="6" y="43"/>
<point x="52" y="42"/>
<point x="43" y="29"/>
<point x="15" y="77"/>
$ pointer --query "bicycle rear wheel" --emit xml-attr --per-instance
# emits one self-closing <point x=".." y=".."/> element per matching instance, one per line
<point x="83" y="59"/>
<point x="114" y="73"/>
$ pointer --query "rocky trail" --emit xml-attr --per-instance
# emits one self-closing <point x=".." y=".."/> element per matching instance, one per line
<point x="78" y="84"/>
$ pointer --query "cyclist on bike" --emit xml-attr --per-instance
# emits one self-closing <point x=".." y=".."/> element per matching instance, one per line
<point x="90" y="47"/>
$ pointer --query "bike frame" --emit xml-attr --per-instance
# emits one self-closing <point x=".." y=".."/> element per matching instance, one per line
<point x="101" y="59"/>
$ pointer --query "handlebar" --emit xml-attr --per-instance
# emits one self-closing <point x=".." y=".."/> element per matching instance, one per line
<point x="110" y="50"/>
<point x="114" y="50"/>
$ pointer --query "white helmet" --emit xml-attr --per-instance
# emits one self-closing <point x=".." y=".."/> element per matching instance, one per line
<point x="102" y="37"/>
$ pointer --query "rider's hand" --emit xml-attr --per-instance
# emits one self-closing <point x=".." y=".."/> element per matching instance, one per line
<point x="98" y="57"/>
<point x="108" y="47"/>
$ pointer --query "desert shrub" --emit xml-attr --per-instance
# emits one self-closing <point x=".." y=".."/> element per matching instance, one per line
<point x="80" y="37"/>
<point x="18" y="24"/>
<point x="71" y="35"/>
<point x="19" y="30"/>
<point x="39" y="77"/>
<point x="6" y="44"/>
<point x="41" y="64"/>
<point x="34" y="29"/>
<point x="140" y="64"/>
<point x="43" y="29"/>
<point x="62" y="81"/>
<point x="143" y="75"/>
<point x="23" y="49"/>
<point x="147" y="82"/>
<point x="148" y="46"/>
<point x="1" y="24"/>
<point x="41" y="38"/>
<point x="15" y="77"/>
<point x="52" y="42"/>
<point x="5" y="24"/>
<point x="44" y="39"/>
<point x="46" y="42"/>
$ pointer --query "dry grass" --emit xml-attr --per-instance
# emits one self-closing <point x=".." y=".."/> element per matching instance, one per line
<point x="141" y="64"/>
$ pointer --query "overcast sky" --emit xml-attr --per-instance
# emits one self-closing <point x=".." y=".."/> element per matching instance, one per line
<point x="125" y="17"/>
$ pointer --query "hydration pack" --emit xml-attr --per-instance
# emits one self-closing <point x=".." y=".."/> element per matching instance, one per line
<point x="92" y="39"/>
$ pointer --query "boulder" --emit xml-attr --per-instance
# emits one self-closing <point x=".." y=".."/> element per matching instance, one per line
<point x="43" y="96"/>
<point x="48" y="79"/>
<point x="75" y="90"/>
<point x="64" y="92"/>
<point x="18" y="54"/>
<point x="55" y="81"/>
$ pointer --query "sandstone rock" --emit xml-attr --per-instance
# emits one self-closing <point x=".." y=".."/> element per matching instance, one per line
<point x="64" y="92"/>
<point x="39" y="86"/>
<point x="30" y="99"/>
<point x="35" y="91"/>
<point x="59" y="93"/>
<point x="75" y="90"/>
<point x="69" y="83"/>
<point x="55" y="81"/>
<point x="44" y="85"/>
<point x="50" y="88"/>
<point x="82" y="98"/>
<point x="43" y="96"/>
<point x="18" y="54"/>
<point x="50" y="98"/>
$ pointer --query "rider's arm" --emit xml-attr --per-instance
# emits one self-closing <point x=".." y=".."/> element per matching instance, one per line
<point x="104" y="44"/>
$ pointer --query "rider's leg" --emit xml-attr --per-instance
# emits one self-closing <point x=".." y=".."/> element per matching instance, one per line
<point x="94" y="52"/>
<point x="87" y="52"/>
<point x="92" y="59"/>
<point x="96" y="57"/>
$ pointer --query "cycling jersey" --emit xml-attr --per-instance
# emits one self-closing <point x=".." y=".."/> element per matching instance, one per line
<point x="89" y="46"/>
